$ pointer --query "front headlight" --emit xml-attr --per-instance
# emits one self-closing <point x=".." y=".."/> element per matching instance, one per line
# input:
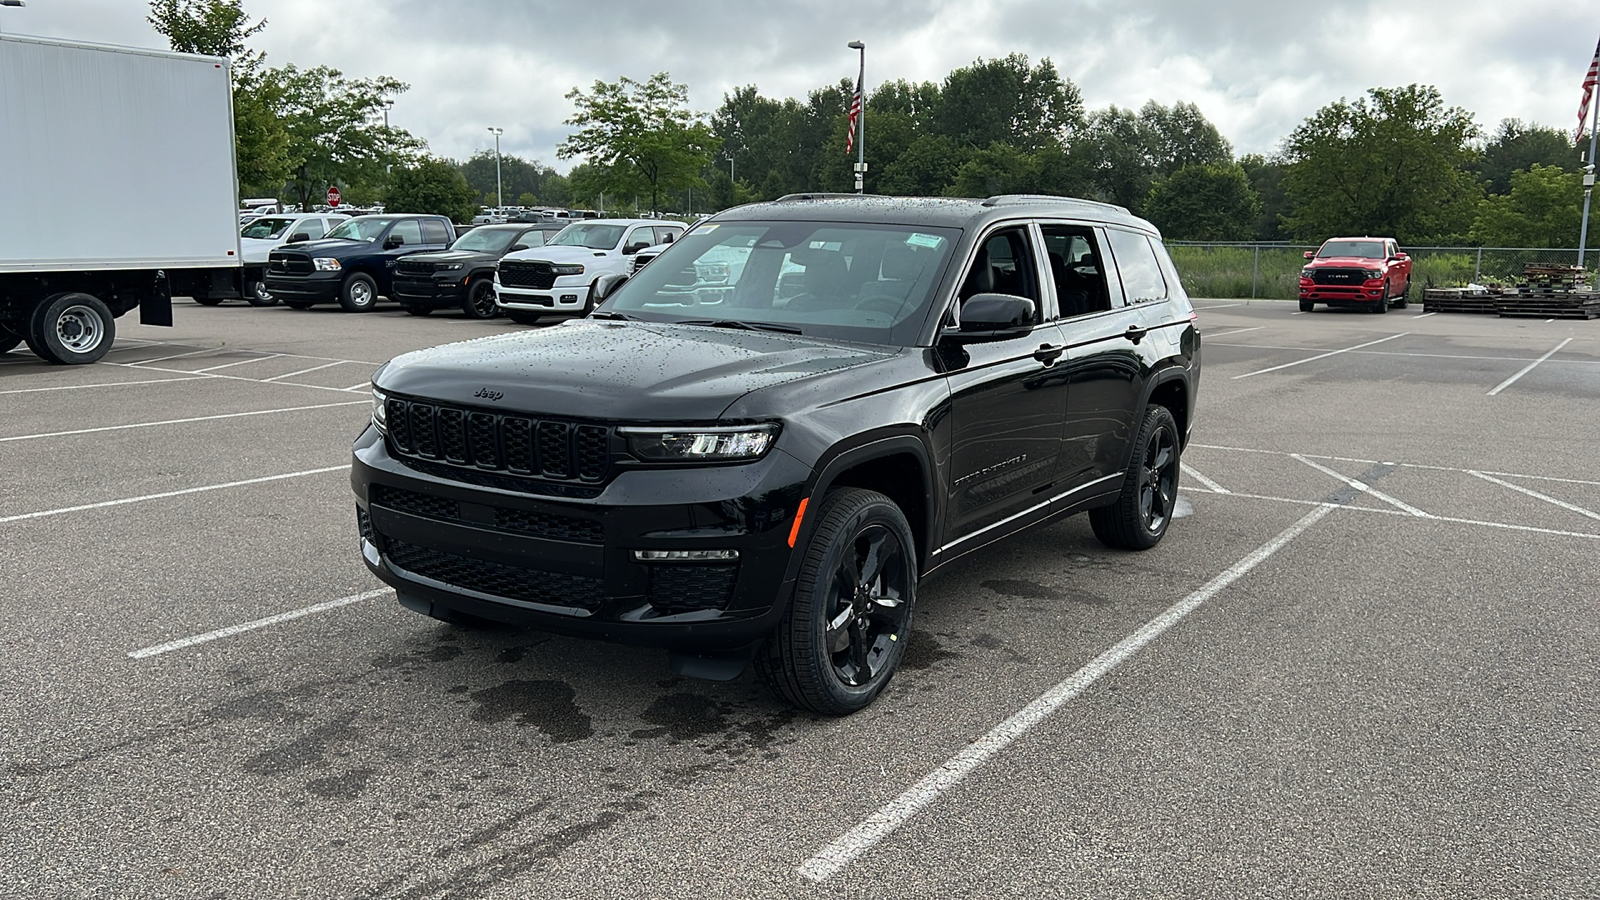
<point x="447" y="267"/>
<point x="567" y="269"/>
<point x="325" y="264"/>
<point x="1307" y="272"/>
<point x="1373" y="273"/>
<point x="380" y="409"/>
<point x="742" y="442"/>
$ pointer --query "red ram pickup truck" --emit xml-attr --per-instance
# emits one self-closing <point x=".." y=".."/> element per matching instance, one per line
<point x="1356" y="271"/>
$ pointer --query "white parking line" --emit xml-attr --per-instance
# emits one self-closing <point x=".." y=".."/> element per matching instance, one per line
<point x="1365" y="510"/>
<point x="1215" y="488"/>
<point x="1322" y="356"/>
<point x="194" y="490"/>
<point x="365" y="385"/>
<point x="145" y="362"/>
<point x="1530" y="367"/>
<point x="241" y="362"/>
<point x="1425" y="315"/>
<point x="238" y="415"/>
<point x="314" y="387"/>
<point x="1222" y="306"/>
<point x="304" y="371"/>
<point x="1364" y="487"/>
<point x="1535" y="494"/>
<point x="181" y="643"/>
<point x="892" y="815"/>
<point x="1404" y="465"/>
<point x="1234" y="332"/>
<point x="80" y="387"/>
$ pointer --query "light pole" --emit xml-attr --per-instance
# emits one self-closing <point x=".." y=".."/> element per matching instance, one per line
<point x="499" y="201"/>
<point x="18" y="3"/>
<point x="387" y="105"/>
<point x="861" y="117"/>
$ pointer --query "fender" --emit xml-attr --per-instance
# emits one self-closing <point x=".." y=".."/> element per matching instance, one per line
<point x="836" y="462"/>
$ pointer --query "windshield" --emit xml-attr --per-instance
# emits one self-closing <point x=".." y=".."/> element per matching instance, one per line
<point x="595" y="237"/>
<point x="1363" y="249"/>
<point x="870" y="283"/>
<point x="267" y="227"/>
<point x="363" y="229"/>
<point x="486" y="240"/>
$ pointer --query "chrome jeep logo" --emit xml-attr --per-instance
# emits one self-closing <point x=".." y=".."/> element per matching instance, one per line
<point x="487" y="394"/>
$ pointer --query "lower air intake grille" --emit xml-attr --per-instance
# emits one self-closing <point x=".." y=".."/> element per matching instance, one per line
<point x="687" y="588"/>
<point x="512" y="582"/>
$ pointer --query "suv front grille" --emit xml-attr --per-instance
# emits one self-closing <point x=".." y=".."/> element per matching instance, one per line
<point x="536" y="275"/>
<point x="497" y="579"/>
<point x="521" y="521"/>
<point x="413" y="267"/>
<point x="518" y="445"/>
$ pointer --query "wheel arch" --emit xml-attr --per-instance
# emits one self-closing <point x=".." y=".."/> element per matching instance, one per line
<point x="899" y="467"/>
<point x="1171" y="389"/>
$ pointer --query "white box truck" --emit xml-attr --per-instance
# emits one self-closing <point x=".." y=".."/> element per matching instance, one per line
<point x="117" y="190"/>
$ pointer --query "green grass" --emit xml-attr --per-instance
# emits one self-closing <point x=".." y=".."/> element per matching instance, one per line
<point x="1238" y="272"/>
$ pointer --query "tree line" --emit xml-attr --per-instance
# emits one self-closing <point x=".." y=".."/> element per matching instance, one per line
<point x="1395" y="161"/>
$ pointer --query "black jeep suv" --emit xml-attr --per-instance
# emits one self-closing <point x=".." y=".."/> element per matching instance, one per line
<point x="763" y="465"/>
<point x="463" y="276"/>
<point x="354" y="264"/>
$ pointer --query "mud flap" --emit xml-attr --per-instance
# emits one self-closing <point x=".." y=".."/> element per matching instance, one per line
<point x="155" y="305"/>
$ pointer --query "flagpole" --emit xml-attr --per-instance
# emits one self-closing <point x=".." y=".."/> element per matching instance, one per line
<point x="861" y="120"/>
<point x="1588" y="181"/>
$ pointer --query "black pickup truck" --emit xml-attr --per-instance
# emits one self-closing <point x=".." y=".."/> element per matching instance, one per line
<point x="354" y="264"/>
<point x="463" y="276"/>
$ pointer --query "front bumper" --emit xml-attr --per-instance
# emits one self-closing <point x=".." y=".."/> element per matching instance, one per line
<point x="452" y="537"/>
<point x="1368" y="292"/>
<point x="557" y="298"/>
<point x="318" y="287"/>
<point x="429" y="291"/>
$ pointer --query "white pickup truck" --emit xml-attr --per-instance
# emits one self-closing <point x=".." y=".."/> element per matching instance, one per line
<point x="559" y="277"/>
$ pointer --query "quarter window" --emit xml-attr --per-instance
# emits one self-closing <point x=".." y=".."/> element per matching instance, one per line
<point x="434" y="232"/>
<point x="1136" y="262"/>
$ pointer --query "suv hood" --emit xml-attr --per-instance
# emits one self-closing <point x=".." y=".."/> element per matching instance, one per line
<point x="560" y="254"/>
<point x="447" y="256"/>
<point x="631" y="371"/>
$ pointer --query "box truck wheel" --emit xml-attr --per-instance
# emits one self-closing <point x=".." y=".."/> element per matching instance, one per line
<point x="71" y="329"/>
<point x="8" y="339"/>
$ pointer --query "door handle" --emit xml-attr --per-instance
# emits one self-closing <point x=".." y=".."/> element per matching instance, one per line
<point x="1135" y="333"/>
<point x="1048" y="353"/>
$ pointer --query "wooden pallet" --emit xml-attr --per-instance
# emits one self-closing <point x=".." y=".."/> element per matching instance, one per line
<point x="1457" y="300"/>
<point x="1574" y="305"/>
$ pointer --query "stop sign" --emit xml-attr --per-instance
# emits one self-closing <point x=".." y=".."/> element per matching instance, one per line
<point x="333" y="196"/>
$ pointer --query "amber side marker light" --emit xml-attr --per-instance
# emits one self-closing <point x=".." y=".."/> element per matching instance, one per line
<point x="799" y="514"/>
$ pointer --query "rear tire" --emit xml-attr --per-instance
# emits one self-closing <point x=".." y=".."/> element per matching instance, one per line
<point x="1142" y="512"/>
<point x="418" y="311"/>
<point x="359" y="294"/>
<point x="297" y="304"/>
<point x="522" y="318"/>
<point x="71" y="329"/>
<point x="845" y="630"/>
<point x="208" y="301"/>
<point x="1307" y="306"/>
<point x="1405" y="297"/>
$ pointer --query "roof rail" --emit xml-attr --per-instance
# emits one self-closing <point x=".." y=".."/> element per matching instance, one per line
<point x="998" y="199"/>
<point x="816" y="195"/>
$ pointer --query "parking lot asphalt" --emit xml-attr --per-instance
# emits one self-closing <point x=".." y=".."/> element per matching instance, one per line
<point x="1366" y="665"/>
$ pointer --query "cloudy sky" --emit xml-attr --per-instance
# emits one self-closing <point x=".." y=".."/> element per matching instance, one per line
<point x="1256" y="69"/>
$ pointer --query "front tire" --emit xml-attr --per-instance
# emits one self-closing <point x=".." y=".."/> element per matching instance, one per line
<point x="208" y="301"/>
<point x="1307" y="306"/>
<point x="479" y="302"/>
<point x="256" y="294"/>
<point x="845" y="630"/>
<point x="1142" y="512"/>
<point x="522" y="318"/>
<point x="71" y="329"/>
<point x="297" y="304"/>
<point x="359" y="294"/>
<point x="417" y="311"/>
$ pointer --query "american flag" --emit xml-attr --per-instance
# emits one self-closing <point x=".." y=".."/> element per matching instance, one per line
<point x="1589" y="82"/>
<point x="855" y="110"/>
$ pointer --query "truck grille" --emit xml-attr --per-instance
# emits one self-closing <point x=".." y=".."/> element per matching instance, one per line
<point x="1348" y="277"/>
<point x="289" y="264"/>
<point x="497" y="579"/>
<point x="537" y="275"/>
<point x="517" y="445"/>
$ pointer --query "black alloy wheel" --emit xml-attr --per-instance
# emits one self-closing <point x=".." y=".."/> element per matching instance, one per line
<point x="846" y="627"/>
<point x="1143" y="510"/>
<point x="479" y="302"/>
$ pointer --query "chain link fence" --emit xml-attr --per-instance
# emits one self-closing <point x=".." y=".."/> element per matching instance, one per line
<point x="1272" y="271"/>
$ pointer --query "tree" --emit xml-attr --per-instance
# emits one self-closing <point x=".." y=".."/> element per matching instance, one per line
<point x="1181" y="136"/>
<point x="1210" y="202"/>
<point x="1390" y="163"/>
<point x="1516" y="147"/>
<point x="1266" y="180"/>
<point x="1543" y="209"/>
<point x="640" y="136"/>
<point x="431" y="186"/>
<point x="336" y="132"/>
<point x="212" y="27"/>
<point x="1117" y="145"/>
<point x="1008" y="101"/>
<point x="519" y="176"/>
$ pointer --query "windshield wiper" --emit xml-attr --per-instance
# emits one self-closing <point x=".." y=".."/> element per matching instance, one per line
<point x="612" y="314"/>
<point x="742" y="326"/>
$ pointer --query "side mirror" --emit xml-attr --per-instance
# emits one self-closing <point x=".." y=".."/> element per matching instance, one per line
<point x="1310" y="254"/>
<point x="634" y="248"/>
<point x="516" y="247"/>
<point x="299" y="237"/>
<point x="993" y="317"/>
<point x="1399" y="257"/>
<point x="393" y="241"/>
<point x="606" y="285"/>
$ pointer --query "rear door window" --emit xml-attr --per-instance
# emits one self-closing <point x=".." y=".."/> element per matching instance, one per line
<point x="1077" y="268"/>
<point x="433" y="232"/>
<point x="1142" y="281"/>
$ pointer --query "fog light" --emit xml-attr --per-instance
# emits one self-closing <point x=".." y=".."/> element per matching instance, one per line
<point x="685" y="555"/>
<point x="569" y="298"/>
